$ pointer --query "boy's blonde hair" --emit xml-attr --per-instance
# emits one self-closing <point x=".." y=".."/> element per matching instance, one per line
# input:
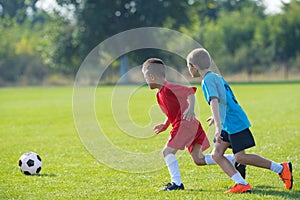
<point x="155" y="66"/>
<point x="199" y="58"/>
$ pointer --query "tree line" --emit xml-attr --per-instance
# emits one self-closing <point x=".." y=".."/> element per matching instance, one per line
<point x="38" y="44"/>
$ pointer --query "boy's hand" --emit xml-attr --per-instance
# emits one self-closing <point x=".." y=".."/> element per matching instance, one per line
<point x="159" y="128"/>
<point x="210" y="120"/>
<point x="218" y="138"/>
<point x="189" y="114"/>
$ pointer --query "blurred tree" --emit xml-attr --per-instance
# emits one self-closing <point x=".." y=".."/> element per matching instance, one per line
<point x="286" y="34"/>
<point x="230" y="37"/>
<point x="238" y="34"/>
<point x="98" y="20"/>
<point x="237" y="5"/>
<point x="17" y="9"/>
<point x="17" y="51"/>
<point x="21" y="27"/>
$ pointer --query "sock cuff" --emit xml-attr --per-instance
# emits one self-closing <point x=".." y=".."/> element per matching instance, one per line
<point x="275" y="167"/>
<point x="238" y="179"/>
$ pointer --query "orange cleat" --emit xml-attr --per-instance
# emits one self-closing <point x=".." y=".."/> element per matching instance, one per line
<point x="286" y="175"/>
<point x="240" y="188"/>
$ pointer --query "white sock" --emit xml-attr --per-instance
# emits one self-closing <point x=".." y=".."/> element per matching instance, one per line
<point x="231" y="158"/>
<point x="238" y="179"/>
<point x="275" y="167"/>
<point x="173" y="168"/>
<point x="209" y="160"/>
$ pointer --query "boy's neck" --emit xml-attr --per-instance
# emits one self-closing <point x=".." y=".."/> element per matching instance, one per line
<point x="161" y="84"/>
<point x="204" y="72"/>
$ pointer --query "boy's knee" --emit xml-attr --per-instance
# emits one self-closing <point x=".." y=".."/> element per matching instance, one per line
<point x="216" y="155"/>
<point x="200" y="161"/>
<point x="164" y="152"/>
<point x="240" y="158"/>
<point x="167" y="150"/>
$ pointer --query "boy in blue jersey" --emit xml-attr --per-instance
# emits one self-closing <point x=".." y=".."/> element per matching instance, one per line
<point x="232" y="125"/>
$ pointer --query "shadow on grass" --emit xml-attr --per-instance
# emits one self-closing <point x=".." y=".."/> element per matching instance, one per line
<point x="203" y="190"/>
<point x="268" y="190"/>
<point x="46" y="175"/>
<point x="261" y="190"/>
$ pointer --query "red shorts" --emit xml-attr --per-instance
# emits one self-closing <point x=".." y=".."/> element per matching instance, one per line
<point x="187" y="134"/>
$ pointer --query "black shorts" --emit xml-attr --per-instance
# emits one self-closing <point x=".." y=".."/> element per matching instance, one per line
<point x="239" y="141"/>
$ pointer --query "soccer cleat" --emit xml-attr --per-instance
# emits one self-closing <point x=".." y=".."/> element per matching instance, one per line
<point x="239" y="188"/>
<point x="241" y="169"/>
<point x="286" y="175"/>
<point x="173" y="186"/>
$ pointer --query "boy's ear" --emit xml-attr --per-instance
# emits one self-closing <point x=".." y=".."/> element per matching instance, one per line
<point x="152" y="77"/>
<point x="193" y="66"/>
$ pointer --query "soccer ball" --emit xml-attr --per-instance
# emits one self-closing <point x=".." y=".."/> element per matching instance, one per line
<point x="30" y="163"/>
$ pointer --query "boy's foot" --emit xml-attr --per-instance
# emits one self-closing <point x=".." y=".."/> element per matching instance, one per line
<point x="240" y="188"/>
<point x="286" y="175"/>
<point x="173" y="186"/>
<point x="241" y="169"/>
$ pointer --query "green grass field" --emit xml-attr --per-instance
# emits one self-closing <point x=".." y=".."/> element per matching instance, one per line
<point x="41" y="120"/>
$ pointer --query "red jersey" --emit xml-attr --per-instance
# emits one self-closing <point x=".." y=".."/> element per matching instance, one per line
<point x="172" y="99"/>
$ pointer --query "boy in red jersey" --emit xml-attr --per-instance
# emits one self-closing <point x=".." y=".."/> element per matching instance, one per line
<point x="177" y="102"/>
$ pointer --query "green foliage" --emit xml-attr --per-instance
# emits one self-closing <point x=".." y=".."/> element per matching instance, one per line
<point x="29" y="48"/>
<point x="58" y="46"/>
<point x="288" y="31"/>
<point x="98" y="20"/>
<point x="238" y="34"/>
<point x="14" y="9"/>
<point x="19" y="56"/>
<point x="235" y="18"/>
<point x="41" y="120"/>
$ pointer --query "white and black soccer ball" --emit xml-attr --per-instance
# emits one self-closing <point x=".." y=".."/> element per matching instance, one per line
<point x="30" y="163"/>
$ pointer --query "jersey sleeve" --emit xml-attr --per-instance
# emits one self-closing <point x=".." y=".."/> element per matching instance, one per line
<point x="210" y="88"/>
<point x="185" y="91"/>
<point x="181" y="90"/>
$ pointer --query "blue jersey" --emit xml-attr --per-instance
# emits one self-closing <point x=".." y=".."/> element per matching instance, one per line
<point x="233" y="118"/>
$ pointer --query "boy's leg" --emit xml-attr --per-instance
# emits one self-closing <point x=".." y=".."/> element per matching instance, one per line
<point x="200" y="159"/>
<point x="241" y="185"/>
<point x="284" y="170"/>
<point x="197" y="155"/>
<point x="172" y="164"/>
<point x="252" y="159"/>
<point x="219" y="158"/>
<point x="243" y="140"/>
<point x="241" y="168"/>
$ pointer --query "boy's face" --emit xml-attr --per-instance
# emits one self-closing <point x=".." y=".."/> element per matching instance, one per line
<point x="193" y="70"/>
<point x="150" y="79"/>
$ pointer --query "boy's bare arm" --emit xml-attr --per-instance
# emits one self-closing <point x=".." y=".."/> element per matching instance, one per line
<point x="161" y="127"/>
<point x="214" y="106"/>
<point x="189" y="113"/>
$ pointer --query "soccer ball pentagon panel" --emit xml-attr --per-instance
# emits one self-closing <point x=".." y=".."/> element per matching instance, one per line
<point x="30" y="163"/>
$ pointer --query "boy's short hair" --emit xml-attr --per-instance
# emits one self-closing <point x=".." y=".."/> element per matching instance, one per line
<point x="199" y="57"/>
<point x="155" y="66"/>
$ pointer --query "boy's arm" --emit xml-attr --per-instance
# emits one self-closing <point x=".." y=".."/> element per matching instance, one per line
<point x="214" y="106"/>
<point x="189" y="113"/>
<point x="161" y="127"/>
